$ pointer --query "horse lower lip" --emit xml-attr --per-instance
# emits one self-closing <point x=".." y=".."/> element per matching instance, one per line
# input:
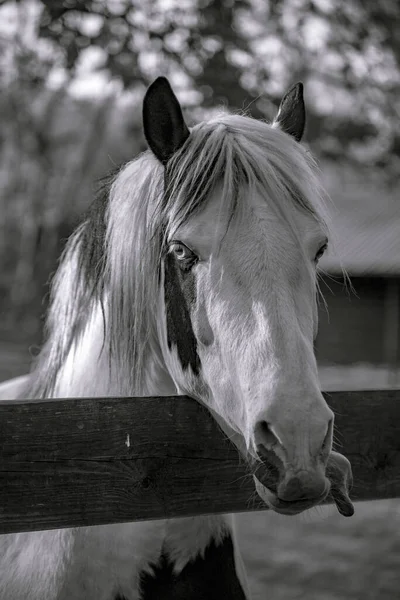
<point x="290" y="507"/>
<point x="295" y="506"/>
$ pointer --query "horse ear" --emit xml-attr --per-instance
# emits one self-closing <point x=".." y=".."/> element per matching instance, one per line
<point x="164" y="127"/>
<point x="291" y="117"/>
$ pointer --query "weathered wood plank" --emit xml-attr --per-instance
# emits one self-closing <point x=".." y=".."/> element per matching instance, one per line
<point x="66" y="463"/>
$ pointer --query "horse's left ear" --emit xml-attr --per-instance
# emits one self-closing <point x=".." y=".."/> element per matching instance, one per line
<point x="291" y="117"/>
<point x="164" y="127"/>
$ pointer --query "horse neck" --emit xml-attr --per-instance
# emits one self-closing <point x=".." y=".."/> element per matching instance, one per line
<point x="89" y="370"/>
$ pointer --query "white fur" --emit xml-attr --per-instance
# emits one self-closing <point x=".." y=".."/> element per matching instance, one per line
<point x="255" y="312"/>
<point x="13" y="387"/>
<point x="94" y="563"/>
<point x="33" y="565"/>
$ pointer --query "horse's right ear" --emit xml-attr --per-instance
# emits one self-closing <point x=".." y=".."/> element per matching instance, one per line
<point x="164" y="127"/>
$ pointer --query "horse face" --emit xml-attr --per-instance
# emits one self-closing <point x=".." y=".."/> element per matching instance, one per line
<point x="239" y="307"/>
<point x="241" y="317"/>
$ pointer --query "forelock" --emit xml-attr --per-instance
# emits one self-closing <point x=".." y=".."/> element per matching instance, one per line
<point x="236" y="152"/>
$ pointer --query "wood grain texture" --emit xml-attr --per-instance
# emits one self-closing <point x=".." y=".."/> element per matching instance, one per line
<point x="90" y="461"/>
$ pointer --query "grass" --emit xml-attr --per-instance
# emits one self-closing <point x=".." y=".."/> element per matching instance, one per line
<point x="318" y="555"/>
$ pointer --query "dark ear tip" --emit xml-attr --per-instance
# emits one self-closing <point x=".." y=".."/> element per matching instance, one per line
<point x="159" y="84"/>
<point x="300" y="89"/>
<point x="297" y="91"/>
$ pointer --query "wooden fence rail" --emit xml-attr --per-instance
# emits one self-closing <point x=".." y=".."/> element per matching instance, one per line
<point x="67" y="463"/>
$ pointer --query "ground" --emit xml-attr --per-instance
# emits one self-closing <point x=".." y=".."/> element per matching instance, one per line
<point x="321" y="555"/>
<point x="318" y="555"/>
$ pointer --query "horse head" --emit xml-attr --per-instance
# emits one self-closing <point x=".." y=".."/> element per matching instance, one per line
<point x="242" y="230"/>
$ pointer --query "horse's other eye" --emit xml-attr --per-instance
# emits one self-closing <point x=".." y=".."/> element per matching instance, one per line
<point x="182" y="253"/>
<point x="321" y="252"/>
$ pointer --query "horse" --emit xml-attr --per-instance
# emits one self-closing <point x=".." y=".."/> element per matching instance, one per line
<point x="193" y="273"/>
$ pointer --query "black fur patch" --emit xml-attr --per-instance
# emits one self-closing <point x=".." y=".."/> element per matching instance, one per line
<point x="210" y="578"/>
<point x="179" y="290"/>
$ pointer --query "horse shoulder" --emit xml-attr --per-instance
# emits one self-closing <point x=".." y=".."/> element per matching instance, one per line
<point x="200" y="561"/>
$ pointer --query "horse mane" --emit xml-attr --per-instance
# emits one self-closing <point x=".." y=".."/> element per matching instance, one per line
<point x="113" y="257"/>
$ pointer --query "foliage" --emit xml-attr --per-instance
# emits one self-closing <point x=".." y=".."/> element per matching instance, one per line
<point x="240" y="53"/>
<point x="347" y="51"/>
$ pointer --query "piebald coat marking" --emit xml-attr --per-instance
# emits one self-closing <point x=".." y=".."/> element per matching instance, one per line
<point x="236" y="334"/>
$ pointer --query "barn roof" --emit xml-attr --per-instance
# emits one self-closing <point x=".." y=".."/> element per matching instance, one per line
<point x="365" y="224"/>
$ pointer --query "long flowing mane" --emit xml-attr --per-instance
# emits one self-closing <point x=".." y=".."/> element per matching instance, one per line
<point x="111" y="263"/>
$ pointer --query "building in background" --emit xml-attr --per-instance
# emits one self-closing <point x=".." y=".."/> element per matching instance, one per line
<point x="360" y="326"/>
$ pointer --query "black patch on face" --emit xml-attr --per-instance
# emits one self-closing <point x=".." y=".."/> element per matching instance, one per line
<point x="179" y="293"/>
<point x="212" y="577"/>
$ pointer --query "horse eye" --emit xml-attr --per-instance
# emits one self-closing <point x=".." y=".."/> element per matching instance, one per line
<point x="321" y="252"/>
<point x="182" y="252"/>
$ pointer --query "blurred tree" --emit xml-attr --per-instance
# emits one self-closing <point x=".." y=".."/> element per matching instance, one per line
<point x="240" y="53"/>
<point x="40" y="184"/>
<point x="346" y="51"/>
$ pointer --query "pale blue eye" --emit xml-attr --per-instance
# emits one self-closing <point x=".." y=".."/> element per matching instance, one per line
<point x="182" y="252"/>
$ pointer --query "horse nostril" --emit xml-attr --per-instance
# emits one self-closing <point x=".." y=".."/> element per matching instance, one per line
<point x="264" y="435"/>
<point x="270" y="470"/>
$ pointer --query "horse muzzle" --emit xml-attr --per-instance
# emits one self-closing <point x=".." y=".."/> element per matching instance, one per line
<point x="288" y="507"/>
<point x="292" y="494"/>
